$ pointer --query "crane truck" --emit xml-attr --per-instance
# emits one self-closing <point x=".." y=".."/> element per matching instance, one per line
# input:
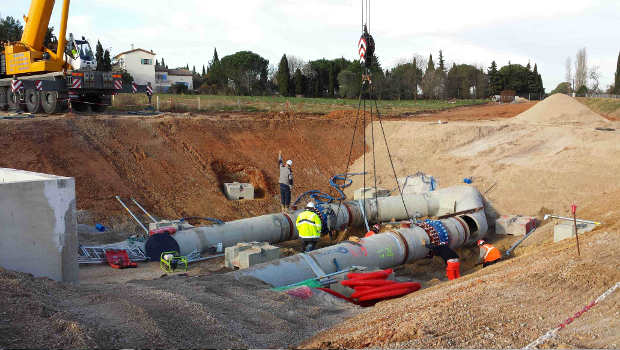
<point x="37" y="79"/>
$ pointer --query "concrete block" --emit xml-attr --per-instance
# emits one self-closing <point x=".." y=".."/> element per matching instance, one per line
<point x="566" y="229"/>
<point x="244" y="255"/>
<point x="38" y="224"/>
<point x="514" y="225"/>
<point x="369" y="192"/>
<point x="236" y="191"/>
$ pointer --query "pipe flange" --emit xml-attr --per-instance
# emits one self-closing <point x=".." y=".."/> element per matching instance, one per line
<point x="290" y="225"/>
<point x="430" y="231"/>
<point x="440" y="229"/>
<point x="405" y="244"/>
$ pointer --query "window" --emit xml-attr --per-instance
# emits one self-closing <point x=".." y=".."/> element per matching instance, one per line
<point x="147" y="61"/>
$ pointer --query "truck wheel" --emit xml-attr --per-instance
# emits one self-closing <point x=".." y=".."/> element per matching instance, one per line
<point x="3" y="102"/>
<point x="33" y="101"/>
<point x="49" y="102"/>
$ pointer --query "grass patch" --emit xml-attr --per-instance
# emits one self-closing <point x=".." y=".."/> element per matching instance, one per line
<point x="212" y="103"/>
<point x="606" y="106"/>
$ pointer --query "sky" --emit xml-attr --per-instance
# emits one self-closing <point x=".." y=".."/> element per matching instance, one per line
<point x="477" y="32"/>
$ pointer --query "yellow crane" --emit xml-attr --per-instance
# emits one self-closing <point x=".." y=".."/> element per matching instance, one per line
<point x="36" y="78"/>
<point x="29" y="56"/>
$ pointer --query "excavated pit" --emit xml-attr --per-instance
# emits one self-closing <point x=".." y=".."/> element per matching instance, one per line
<point x="175" y="166"/>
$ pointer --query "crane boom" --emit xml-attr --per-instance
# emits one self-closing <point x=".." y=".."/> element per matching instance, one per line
<point x="35" y="78"/>
<point x="29" y="56"/>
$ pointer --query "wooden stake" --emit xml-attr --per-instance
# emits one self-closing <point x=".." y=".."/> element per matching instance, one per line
<point x="574" y="210"/>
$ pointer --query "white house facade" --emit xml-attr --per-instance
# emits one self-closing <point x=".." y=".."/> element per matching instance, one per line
<point x="140" y="64"/>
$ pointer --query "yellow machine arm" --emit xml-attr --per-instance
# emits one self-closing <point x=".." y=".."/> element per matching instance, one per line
<point x="27" y="56"/>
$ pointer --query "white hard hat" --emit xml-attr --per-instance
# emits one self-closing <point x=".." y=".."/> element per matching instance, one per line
<point x="289" y="162"/>
<point x="310" y="205"/>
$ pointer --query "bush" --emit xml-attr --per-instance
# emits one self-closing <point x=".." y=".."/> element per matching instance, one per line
<point x="562" y="88"/>
<point x="582" y="91"/>
<point x="179" y="88"/>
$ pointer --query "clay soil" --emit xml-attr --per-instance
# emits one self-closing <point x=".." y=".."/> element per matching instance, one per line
<point x="175" y="165"/>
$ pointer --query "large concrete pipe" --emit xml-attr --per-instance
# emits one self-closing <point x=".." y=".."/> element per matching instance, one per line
<point x="382" y="250"/>
<point x="387" y="249"/>
<point x="280" y="227"/>
<point x="271" y="228"/>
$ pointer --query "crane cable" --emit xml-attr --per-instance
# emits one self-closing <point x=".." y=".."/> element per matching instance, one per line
<point x="366" y="49"/>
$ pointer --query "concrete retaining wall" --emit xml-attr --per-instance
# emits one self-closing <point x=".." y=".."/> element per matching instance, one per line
<point x="38" y="224"/>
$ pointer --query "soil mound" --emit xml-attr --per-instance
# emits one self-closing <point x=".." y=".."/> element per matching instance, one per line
<point x="559" y="109"/>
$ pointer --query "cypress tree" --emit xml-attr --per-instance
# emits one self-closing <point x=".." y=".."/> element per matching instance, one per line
<point x="216" y="59"/>
<point x="494" y="80"/>
<point x="204" y="71"/>
<point x="540" y="89"/>
<point x="442" y="66"/>
<point x="617" y="81"/>
<point x="332" y="79"/>
<point x="283" y="76"/>
<point x="299" y="82"/>
<point x="532" y="80"/>
<point x="99" y="56"/>
<point x="107" y="61"/>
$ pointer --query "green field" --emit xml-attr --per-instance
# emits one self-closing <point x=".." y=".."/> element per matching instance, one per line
<point x="211" y="103"/>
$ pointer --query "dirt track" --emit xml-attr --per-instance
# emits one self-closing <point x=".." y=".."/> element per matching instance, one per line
<point x="175" y="165"/>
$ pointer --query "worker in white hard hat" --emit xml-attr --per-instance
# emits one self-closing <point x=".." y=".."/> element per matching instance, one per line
<point x="286" y="182"/>
<point x="309" y="227"/>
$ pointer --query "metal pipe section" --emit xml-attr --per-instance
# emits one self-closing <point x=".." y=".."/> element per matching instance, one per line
<point x="276" y="228"/>
<point x="572" y="219"/>
<point x="133" y="216"/>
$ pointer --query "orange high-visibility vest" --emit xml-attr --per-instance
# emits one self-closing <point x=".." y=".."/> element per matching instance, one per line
<point x="491" y="253"/>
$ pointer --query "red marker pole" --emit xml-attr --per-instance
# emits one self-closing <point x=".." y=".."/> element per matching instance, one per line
<point x="573" y="209"/>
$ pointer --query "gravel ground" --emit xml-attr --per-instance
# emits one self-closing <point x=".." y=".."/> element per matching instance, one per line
<point x="172" y="312"/>
<point x="506" y="305"/>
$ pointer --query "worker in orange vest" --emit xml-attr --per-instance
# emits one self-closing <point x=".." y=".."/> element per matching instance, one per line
<point x="488" y="253"/>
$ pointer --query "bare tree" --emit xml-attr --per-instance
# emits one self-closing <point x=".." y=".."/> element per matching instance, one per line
<point x="581" y="69"/>
<point x="595" y="77"/>
<point x="294" y="63"/>
<point x="569" y="71"/>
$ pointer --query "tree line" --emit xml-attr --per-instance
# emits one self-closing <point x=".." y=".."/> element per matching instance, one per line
<point x="583" y="79"/>
<point x="247" y="73"/>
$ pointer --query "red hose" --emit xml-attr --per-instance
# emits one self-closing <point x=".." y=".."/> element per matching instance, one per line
<point x="386" y="294"/>
<point x="413" y="286"/>
<point x="363" y="288"/>
<point x="370" y="275"/>
<point x="336" y="294"/>
<point x="373" y="282"/>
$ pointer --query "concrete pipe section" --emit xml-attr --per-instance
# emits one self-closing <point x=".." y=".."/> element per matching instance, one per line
<point x="391" y="248"/>
<point x="276" y="228"/>
<point x="271" y="228"/>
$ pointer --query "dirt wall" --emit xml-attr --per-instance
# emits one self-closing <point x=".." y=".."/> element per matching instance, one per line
<point x="175" y="165"/>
